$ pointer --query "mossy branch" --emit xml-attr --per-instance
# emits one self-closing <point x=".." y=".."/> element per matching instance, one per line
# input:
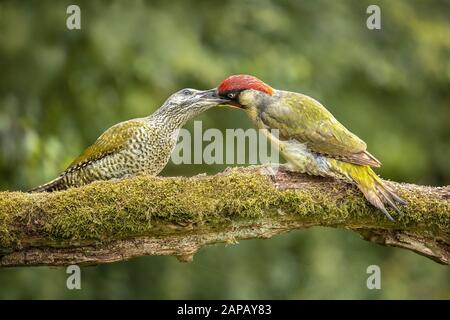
<point x="117" y="220"/>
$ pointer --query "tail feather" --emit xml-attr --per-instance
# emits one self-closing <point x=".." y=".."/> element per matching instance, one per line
<point x="386" y="196"/>
<point x="54" y="185"/>
<point x="383" y="193"/>
<point x="390" y="190"/>
<point x="376" y="191"/>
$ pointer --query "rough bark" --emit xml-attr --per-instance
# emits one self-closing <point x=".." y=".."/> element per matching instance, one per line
<point x="118" y="220"/>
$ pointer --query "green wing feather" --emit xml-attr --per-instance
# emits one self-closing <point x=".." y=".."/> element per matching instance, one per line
<point x="112" y="140"/>
<point x="307" y="121"/>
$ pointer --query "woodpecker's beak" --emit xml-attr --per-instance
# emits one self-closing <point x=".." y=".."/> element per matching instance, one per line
<point x="232" y="104"/>
<point x="212" y="96"/>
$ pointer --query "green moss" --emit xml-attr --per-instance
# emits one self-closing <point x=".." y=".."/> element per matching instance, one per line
<point x="144" y="205"/>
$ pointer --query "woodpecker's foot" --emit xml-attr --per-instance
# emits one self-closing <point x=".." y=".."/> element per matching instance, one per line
<point x="290" y="167"/>
<point x="121" y="178"/>
<point x="270" y="169"/>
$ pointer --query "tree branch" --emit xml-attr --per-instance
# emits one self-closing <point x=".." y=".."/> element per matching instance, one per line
<point x="118" y="220"/>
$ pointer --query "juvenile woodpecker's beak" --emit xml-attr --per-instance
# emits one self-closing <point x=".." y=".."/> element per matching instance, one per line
<point x="212" y="96"/>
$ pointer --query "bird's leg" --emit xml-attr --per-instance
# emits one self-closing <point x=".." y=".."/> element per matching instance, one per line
<point x="125" y="176"/>
<point x="270" y="169"/>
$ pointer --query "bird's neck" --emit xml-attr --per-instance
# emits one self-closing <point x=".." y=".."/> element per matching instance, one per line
<point x="170" y="120"/>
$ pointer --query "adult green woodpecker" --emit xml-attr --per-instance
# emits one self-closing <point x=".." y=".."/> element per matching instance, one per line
<point x="137" y="146"/>
<point x="309" y="137"/>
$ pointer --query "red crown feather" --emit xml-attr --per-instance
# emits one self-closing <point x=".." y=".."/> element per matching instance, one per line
<point x="243" y="82"/>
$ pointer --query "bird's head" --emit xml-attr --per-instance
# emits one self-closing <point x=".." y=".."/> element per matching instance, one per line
<point x="188" y="103"/>
<point x="244" y="91"/>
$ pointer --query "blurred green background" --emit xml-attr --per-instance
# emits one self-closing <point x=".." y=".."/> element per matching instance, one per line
<point x="60" y="89"/>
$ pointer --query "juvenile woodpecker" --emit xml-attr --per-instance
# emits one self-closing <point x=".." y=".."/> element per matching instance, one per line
<point x="309" y="137"/>
<point x="135" y="146"/>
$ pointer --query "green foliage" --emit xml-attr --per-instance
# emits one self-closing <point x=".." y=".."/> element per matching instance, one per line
<point x="60" y="89"/>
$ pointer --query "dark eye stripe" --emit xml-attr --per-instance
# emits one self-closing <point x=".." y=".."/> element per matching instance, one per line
<point x="233" y="94"/>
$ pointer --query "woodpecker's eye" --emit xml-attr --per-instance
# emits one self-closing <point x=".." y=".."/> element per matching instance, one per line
<point x="231" y="95"/>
